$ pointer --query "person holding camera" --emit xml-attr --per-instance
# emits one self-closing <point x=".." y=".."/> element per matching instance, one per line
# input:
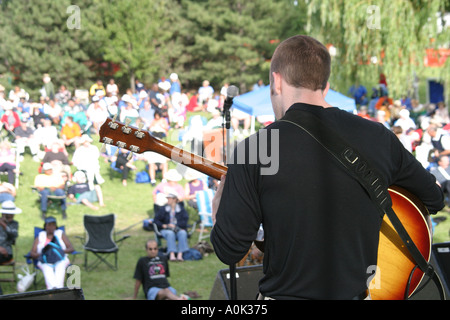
<point x="172" y="220"/>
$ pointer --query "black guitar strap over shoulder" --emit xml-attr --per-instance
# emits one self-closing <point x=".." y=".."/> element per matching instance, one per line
<point x="367" y="176"/>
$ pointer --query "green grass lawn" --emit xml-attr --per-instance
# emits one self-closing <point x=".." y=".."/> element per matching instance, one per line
<point x="131" y="204"/>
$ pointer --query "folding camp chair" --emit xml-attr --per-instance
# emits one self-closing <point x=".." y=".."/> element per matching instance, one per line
<point x="8" y="269"/>
<point x="204" y="203"/>
<point x="150" y="226"/>
<point x="54" y="202"/>
<point x="100" y="240"/>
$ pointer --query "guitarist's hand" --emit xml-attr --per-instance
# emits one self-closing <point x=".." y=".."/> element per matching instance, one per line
<point x="217" y="197"/>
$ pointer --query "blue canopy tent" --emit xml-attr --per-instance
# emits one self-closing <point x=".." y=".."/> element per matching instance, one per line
<point x="257" y="103"/>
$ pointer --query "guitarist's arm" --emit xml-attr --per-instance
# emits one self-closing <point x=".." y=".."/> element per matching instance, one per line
<point x="413" y="177"/>
<point x="216" y="199"/>
<point x="237" y="214"/>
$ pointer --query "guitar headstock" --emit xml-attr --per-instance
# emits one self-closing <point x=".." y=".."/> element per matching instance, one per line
<point x="121" y="135"/>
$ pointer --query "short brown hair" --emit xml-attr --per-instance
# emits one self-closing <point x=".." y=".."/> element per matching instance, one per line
<point x="303" y="62"/>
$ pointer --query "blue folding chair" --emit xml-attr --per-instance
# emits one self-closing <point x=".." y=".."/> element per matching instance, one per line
<point x="204" y="203"/>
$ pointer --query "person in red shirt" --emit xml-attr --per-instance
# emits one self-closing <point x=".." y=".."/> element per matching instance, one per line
<point x="10" y="118"/>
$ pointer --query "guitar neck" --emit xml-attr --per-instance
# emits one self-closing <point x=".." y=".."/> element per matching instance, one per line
<point x="189" y="159"/>
<point x="135" y="140"/>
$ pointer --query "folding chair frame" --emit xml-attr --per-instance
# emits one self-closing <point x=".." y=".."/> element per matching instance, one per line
<point x="102" y="254"/>
<point x="204" y="203"/>
<point x="11" y="266"/>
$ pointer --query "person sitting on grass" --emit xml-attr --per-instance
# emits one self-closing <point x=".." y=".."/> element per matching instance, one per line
<point x="151" y="272"/>
<point x="80" y="191"/>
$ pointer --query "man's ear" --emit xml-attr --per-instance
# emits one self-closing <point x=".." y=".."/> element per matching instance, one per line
<point x="325" y="91"/>
<point x="276" y="82"/>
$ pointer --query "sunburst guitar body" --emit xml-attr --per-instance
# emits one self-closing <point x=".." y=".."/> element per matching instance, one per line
<point x="395" y="263"/>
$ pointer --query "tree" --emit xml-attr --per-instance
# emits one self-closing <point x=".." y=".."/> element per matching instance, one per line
<point x="34" y="43"/>
<point x="129" y="34"/>
<point x="232" y="41"/>
<point x="386" y="36"/>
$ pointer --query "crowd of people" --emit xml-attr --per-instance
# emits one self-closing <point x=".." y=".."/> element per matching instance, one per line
<point x="57" y="129"/>
<point x="423" y="129"/>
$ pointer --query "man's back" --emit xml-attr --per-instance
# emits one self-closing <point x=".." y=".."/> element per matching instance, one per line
<point x="321" y="228"/>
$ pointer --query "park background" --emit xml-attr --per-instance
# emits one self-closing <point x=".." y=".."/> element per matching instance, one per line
<point x="77" y="42"/>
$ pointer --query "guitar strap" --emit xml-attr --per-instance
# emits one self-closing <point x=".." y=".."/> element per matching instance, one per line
<point x="367" y="176"/>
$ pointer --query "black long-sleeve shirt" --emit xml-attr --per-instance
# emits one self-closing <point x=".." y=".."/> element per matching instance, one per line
<point x="321" y="229"/>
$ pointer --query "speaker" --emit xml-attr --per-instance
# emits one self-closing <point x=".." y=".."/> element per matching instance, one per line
<point x="440" y="260"/>
<point x="52" y="294"/>
<point x="247" y="279"/>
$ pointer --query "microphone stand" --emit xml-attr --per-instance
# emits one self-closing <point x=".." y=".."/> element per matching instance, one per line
<point x="226" y="128"/>
<point x="232" y="91"/>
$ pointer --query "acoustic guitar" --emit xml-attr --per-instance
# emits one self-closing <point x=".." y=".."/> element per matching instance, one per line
<point x="395" y="264"/>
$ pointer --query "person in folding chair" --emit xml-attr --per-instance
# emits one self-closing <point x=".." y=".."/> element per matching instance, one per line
<point x="50" y="183"/>
<point x="50" y="248"/>
<point x="9" y="231"/>
<point x="321" y="224"/>
<point x="172" y="221"/>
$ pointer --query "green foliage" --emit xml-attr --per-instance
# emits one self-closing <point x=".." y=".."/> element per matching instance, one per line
<point x="209" y="39"/>
<point x="396" y="33"/>
<point x="231" y="40"/>
<point x="222" y="41"/>
<point x="130" y="35"/>
<point x="34" y="43"/>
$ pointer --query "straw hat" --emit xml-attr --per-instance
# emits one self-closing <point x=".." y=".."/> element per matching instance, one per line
<point x="192" y="175"/>
<point x="85" y="138"/>
<point x="171" y="193"/>
<point x="9" y="207"/>
<point x="173" y="175"/>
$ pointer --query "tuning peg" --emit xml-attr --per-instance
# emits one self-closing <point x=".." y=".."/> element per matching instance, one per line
<point x="106" y="140"/>
<point x="113" y="124"/>
<point x="139" y="134"/>
<point x="125" y="128"/>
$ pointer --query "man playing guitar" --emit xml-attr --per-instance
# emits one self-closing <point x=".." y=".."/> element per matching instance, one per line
<point x="322" y="230"/>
